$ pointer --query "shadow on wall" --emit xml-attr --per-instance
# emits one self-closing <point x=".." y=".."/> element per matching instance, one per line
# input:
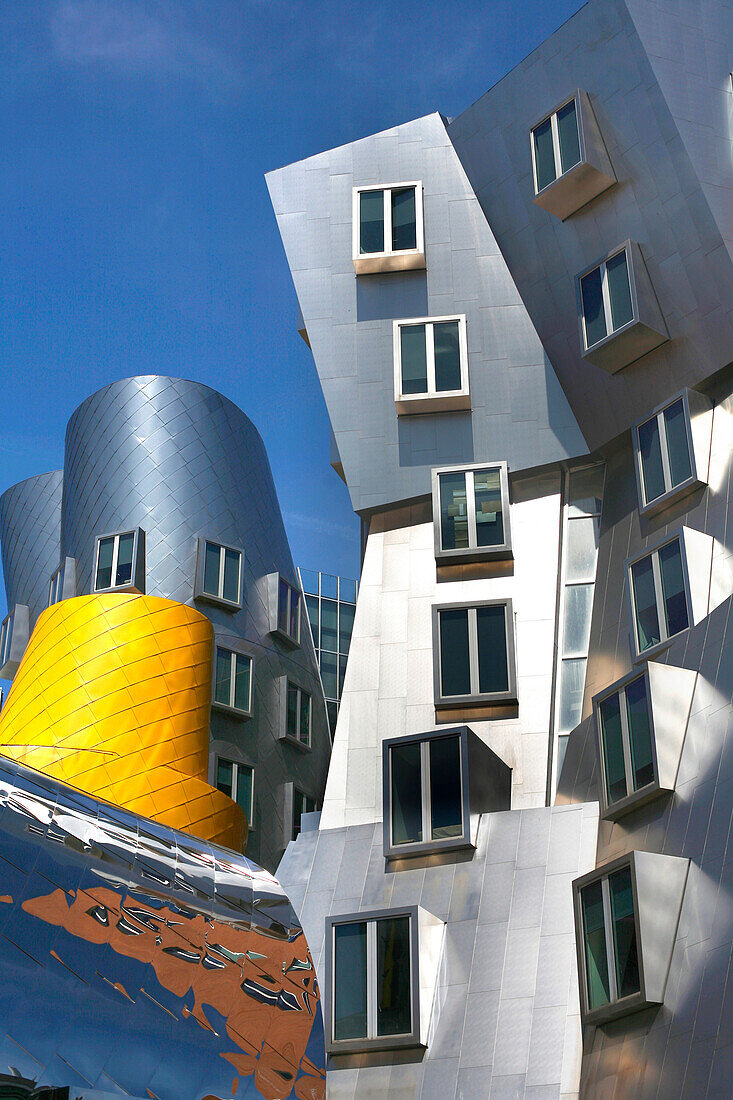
<point x="384" y="297"/>
<point x="435" y="440"/>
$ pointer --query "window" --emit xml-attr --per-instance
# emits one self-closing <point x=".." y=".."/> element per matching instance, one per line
<point x="237" y="781"/>
<point x="555" y="145"/>
<point x="302" y="804"/>
<point x="373" y="980"/>
<point x="388" y="228"/>
<point x="6" y="639"/>
<point x="474" y="648"/>
<point x="298" y="707"/>
<point x="233" y="681"/>
<point x="431" y="364"/>
<point x="471" y="513"/>
<point x="116" y="561"/>
<point x="56" y="587"/>
<point x="658" y="596"/>
<point x="288" y="611"/>
<point x="221" y="579"/>
<point x="606" y="298"/>
<point x="664" y="453"/>
<point x="627" y="753"/>
<point x="425" y="791"/>
<point x="610" y="941"/>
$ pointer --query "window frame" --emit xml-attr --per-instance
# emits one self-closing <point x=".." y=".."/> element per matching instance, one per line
<point x="286" y="684"/>
<point x="394" y="851"/>
<point x="472" y="552"/>
<point x="297" y="792"/>
<point x="552" y="116"/>
<point x="372" y="1041"/>
<point x="611" y="334"/>
<point x="389" y="259"/>
<point x="433" y="400"/>
<point x="229" y="646"/>
<point x="474" y="699"/>
<point x="653" y="553"/>
<point x="236" y="765"/>
<point x="674" y="492"/>
<point x="133" y="585"/>
<point x="6" y="637"/>
<point x="616" y="808"/>
<point x="209" y="597"/>
<point x="66" y="574"/>
<point x="293" y="639"/>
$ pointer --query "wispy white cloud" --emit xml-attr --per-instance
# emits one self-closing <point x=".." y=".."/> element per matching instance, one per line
<point x="320" y="526"/>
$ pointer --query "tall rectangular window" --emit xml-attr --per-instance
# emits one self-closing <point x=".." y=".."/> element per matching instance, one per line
<point x="606" y="298"/>
<point x="222" y="573"/>
<point x="425" y="779"/>
<point x="555" y="145"/>
<point x="233" y="680"/>
<point x="6" y="639"/>
<point x="471" y="513"/>
<point x="664" y="452"/>
<point x="626" y="740"/>
<point x="371" y="978"/>
<point x="431" y="359"/>
<point x="56" y="586"/>
<point x="610" y="939"/>
<point x="298" y="714"/>
<point x="114" y="565"/>
<point x="237" y="781"/>
<point x="302" y="804"/>
<point x="288" y="610"/>
<point x="389" y="220"/>
<point x="658" y="596"/>
<point x="475" y="653"/>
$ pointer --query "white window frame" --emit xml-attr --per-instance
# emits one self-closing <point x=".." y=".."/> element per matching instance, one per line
<point x="607" y="311"/>
<point x="299" y="593"/>
<point x="472" y="552"/>
<point x="427" y="843"/>
<point x="664" y="638"/>
<point x="670" y="490"/>
<point x="56" y="585"/>
<point x="233" y="655"/>
<point x="297" y="793"/>
<point x="438" y="400"/>
<point x="117" y="535"/>
<point x="475" y="698"/>
<point x="218" y="596"/>
<point x="6" y="638"/>
<point x="387" y="189"/>
<point x="552" y="116"/>
<point x="633" y="794"/>
<point x="613" y="997"/>
<point x="236" y="765"/>
<point x="297" y="739"/>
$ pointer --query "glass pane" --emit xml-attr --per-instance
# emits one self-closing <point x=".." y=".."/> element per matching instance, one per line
<point x="231" y="575"/>
<point x="673" y="588"/>
<point x="645" y="603"/>
<point x="455" y="671"/>
<point x="624" y="932"/>
<point x="613" y="748"/>
<point x="242" y="682"/>
<point x="282" y="605"/>
<point x="124" y="560"/>
<point x="596" y="958"/>
<point x="593" y="314"/>
<point x="447" y="356"/>
<point x="311" y="603"/>
<point x="342" y="673"/>
<point x="305" y="718"/>
<point x="453" y="512"/>
<point x="291" y="714"/>
<point x="244" y="790"/>
<point x="677" y="445"/>
<point x="567" y="128"/>
<point x="104" y="563"/>
<point x="584" y="491"/>
<point x="224" y="776"/>
<point x="346" y="626"/>
<point x="580" y="553"/>
<point x="329" y="633"/>
<point x="222" y="687"/>
<point x="650" y="453"/>
<point x="347" y="590"/>
<point x="406" y="793"/>
<point x="489" y="520"/>
<point x="371" y="221"/>
<point x="309" y="580"/>
<point x="329" y="674"/>
<point x="332" y="710"/>
<point x="572" y="683"/>
<point x="394" y="1015"/>
<point x="294" y="622"/>
<point x="211" y="569"/>
<point x="298" y="803"/>
<point x="404" y="226"/>
<point x="493" y="668"/>
<point x="544" y="154"/>
<point x="640" y="735"/>
<point x="446" y="810"/>
<point x="562" y="746"/>
<point x="576" y="629"/>
<point x="349" y="981"/>
<point x="619" y="290"/>
<point x="329" y="586"/>
<point x="413" y="359"/>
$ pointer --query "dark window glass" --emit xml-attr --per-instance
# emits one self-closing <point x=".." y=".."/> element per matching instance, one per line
<point x="329" y="623"/>
<point x="242" y="682"/>
<point x="406" y="797"/>
<point x="447" y="356"/>
<point x="544" y="154"/>
<point x="291" y="724"/>
<point x="613" y="748"/>
<point x="595" y="318"/>
<point x="404" y="225"/>
<point x="124" y="560"/>
<point x="624" y="932"/>
<point x="493" y="669"/>
<point x="640" y="734"/>
<point x="350" y="981"/>
<point x="311" y="603"/>
<point x="413" y="359"/>
<point x="596" y="958"/>
<point x="650" y="450"/>
<point x="453" y="512"/>
<point x="342" y="673"/>
<point x="394" y="1015"/>
<point x="371" y="221"/>
<point x="645" y="602"/>
<point x="489" y="520"/>
<point x="332" y="709"/>
<point x="104" y="563"/>
<point x="282" y="605"/>
<point x="294" y="620"/>
<point x="678" y="448"/>
<point x="231" y="575"/>
<point x="567" y="128"/>
<point x="225" y="776"/>
<point x="346" y="626"/>
<point x="211" y="569"/>
<point x="302" y="804"/>
<point x="446" y="811"/>
<point x="673" y="588"/>
<point x="329" y="674"/>
<point x="223" y="676"/>
<point x="244" y="790"/>
<point x="619" y="290"/>
<point x="455" y="671"/>
<point x="304" y="729"/>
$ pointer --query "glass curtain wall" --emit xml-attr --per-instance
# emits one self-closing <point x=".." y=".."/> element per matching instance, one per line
<point x="331" y="604"/>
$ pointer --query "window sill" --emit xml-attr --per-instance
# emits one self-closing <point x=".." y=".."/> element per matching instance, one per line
<point x="218" y="601"/>
<point x="624" y="1007"/>
<point x="633" y="801"/>
<point x="573" y="190"/>
<point x="420" y="404"/>
<point x="399" y="852"/>
<point x="624" y="346"/>
<point x="493" y="699"/>
<point x="474" y="554"/>
<point x="122" y="588"/>
<point x="367" y="1046"/>
<point x="303" y="746"/>
<point x="288" y="639"/>
<point x="659" y="647"/>
<point x="374" y="263"/>
<point x="672" y="497"/>
<point x="234" y="712"/>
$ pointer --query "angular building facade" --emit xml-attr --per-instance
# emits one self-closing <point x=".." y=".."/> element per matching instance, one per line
<point x="331" y="604"/>
<point x="522" y="320"/>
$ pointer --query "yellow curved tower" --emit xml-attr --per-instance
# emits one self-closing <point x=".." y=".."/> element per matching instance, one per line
<point x="112" y="696"/>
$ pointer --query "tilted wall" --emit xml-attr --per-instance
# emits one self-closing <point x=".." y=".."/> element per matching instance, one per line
<point x="30" y="526"/>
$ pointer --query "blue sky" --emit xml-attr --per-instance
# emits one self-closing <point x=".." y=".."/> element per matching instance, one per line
<point x="137" y="235"/>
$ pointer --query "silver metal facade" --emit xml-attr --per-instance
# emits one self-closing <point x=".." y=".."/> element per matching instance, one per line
<point x="30" y="528"/>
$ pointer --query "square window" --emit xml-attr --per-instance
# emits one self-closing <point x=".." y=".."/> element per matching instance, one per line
<point x="659" y="596"/>
<point x="298" y="714"/>
<point x="473" y="648"/>
<point x="233" y="678"/>
<point x="570" y="164"/>
<point x="237" y="781"/>
<point x="220" y="574"/>
<point x="665" y="451"/>
<point x="471" y="513"/>
<point x="388" y="228"/>
<point x="431" y="365"/>
<point x="118" y="564"/>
